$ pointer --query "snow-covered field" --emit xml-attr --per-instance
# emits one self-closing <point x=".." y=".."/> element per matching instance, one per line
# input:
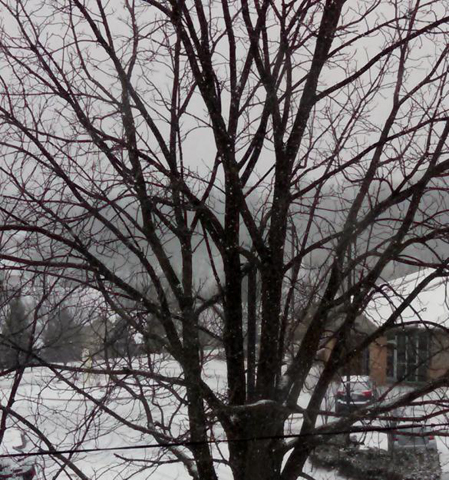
<point x="105" y="443"/>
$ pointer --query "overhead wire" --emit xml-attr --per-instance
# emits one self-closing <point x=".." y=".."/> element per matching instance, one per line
<point x="185" y="443"/>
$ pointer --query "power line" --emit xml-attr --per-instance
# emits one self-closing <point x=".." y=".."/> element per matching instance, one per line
<point x="220" y="441"/>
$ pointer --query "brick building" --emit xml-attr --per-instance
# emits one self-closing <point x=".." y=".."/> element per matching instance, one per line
<point x="415" y="348"/>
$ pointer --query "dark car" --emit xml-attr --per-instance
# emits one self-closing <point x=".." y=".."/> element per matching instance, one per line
<point x="354" y="392"/>
<point x="16" y="470"/>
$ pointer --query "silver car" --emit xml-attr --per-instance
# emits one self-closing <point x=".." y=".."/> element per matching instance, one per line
<point x="411" y="436"/>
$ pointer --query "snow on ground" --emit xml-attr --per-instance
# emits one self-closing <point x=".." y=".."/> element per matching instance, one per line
<point x="67" y="419"/>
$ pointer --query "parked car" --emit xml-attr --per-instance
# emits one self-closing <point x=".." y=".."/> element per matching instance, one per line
<point x="411" y="436"/>
<point x="354" y="392"/>
<point x="10" y="470"/>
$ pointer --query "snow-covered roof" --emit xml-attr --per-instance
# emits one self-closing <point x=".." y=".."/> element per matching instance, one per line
<point x="431" y="304"/>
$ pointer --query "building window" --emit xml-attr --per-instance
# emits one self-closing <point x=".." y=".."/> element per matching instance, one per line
<point x="408" y="355"/>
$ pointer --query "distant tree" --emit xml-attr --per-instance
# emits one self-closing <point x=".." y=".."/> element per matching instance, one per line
<point x="17" y="335"/>
<point x="120" y="341"/>
<point x="62" y="339"/>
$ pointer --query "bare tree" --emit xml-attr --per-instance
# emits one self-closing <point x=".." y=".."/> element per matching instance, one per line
<point x="207" y="149"/>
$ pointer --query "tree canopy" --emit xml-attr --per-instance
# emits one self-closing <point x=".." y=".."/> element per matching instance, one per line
<point x="242" y="173"/>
